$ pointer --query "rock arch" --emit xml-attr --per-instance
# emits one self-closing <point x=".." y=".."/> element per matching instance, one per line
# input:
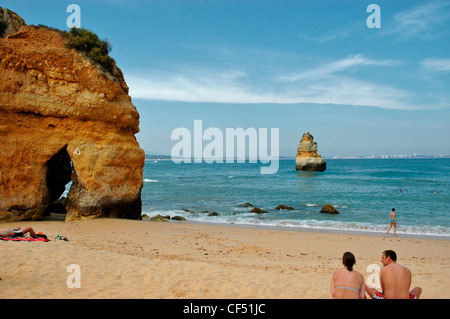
<point x="56" y="104"/>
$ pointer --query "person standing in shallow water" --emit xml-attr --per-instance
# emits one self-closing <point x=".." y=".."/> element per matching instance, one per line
<point x="392" y="222"/>
<point x="347" y="283"/>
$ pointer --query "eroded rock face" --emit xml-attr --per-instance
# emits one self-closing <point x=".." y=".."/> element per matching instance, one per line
<point x="63" y="117"/>
<point x="15" y="22"/>
<point x="307" y="158"/>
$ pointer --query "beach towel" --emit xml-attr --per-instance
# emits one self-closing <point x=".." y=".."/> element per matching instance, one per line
<point x="24" y="239"/>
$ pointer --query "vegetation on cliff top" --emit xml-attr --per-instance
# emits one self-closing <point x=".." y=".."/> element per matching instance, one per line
<point x="82" y="40"/>
<point x="89" y="43"/>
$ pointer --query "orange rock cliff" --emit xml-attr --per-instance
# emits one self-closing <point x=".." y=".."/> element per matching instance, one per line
<point x="64" y="118"/>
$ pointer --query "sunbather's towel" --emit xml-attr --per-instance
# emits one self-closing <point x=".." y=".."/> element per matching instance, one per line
<point x="24" y="239"/>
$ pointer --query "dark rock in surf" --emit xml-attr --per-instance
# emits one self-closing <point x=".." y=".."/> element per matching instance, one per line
<point x="284" y="207"/>
<point x="329" y="209"/>
<point x="258" y="210"/>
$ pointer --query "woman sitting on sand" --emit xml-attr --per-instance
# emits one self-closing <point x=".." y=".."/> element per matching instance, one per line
<point x="347" y="283"/>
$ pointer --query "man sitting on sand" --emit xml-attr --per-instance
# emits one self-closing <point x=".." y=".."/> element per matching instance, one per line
<point x="395" y="280"/>
<point x="17" y="232"/>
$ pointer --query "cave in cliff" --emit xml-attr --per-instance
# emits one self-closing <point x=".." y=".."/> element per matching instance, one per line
<point x="59" y="171"/>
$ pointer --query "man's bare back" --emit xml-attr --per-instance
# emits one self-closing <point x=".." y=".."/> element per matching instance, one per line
<point x="395" y="281"/>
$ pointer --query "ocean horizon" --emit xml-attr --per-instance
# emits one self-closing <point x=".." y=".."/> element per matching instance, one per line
<point x="363" y="190"/>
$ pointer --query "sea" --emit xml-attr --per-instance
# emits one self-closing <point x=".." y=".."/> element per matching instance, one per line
<point x="363" y="191"/>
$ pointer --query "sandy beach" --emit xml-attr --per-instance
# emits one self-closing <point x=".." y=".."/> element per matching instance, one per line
<point x="141" y="259"/>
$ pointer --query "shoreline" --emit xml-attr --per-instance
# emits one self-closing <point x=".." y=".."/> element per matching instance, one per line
<point x="323" y="230"/>
<point x="60" y="217"/>
<point x="127" y="259"/>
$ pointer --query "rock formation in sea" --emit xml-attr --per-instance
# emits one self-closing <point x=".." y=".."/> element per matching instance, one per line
<point x="258" y="210"/>
<point x="284" y="207"/>
<point x="307" y="158"/>
<point x="64" y="118"/>
<point x="329" y="209"/>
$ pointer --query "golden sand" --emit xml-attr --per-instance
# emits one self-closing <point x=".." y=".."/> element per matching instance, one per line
<point x="143" y="259"/>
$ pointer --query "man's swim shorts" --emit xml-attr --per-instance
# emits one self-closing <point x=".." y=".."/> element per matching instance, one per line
<point x="379" y="295"/>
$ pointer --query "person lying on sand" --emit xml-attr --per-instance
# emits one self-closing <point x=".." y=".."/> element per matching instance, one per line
<point x="347" y="283"/>
<point x="395" y="280"/>
<point x="18" y="232"/>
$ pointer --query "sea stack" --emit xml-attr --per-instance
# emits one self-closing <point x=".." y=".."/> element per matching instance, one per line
<point x="64" y="118"/>
<point x="307" y="158"/>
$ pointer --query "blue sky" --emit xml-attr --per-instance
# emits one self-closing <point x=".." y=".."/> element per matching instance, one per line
<point x="294" y="65"/>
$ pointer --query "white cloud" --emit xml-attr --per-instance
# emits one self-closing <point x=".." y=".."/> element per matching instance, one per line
<point x="321" y="39"/>
<point x="427" y="20"/>
<point x="338" y="66"/>
<point x="238" y="87"/>
<point x="195" y="86"/>
<point x="347" y="91"/>
<point x="440" y="65"/>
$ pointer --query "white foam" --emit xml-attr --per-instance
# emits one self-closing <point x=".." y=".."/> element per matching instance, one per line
<point x="147" y="180"/>
<point x="250" y="219"/>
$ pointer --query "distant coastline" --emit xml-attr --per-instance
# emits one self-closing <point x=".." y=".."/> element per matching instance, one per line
<point x="151" y="157"/>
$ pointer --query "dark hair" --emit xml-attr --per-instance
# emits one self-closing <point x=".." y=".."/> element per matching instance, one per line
<point x="390" y="253"/>
<point x="349" y="260"/>
<point x="393" y="209"/>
